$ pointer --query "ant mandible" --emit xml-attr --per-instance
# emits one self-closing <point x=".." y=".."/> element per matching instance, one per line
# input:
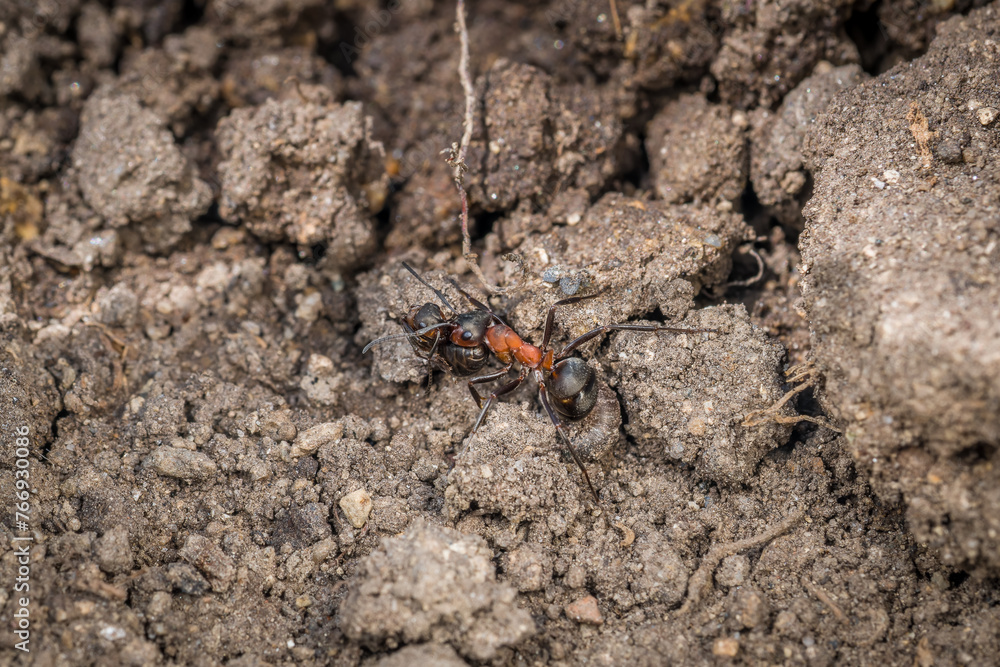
<point x="567" y="385"/>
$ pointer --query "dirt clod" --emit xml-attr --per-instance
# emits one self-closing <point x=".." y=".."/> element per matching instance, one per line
<point x="131" y="172"/>
<point x="452" y="596"/>
<point x="695" y="413"/>
<point x="305" y="173"/>
<point x="181" y="463"/>
<point x="420" y="655"/>
<point x="210" y="560"/>
<point x="634" y="251"/>
<point x="777" y="168"/>
<point x="512" y="466"/>
<point x="697" y="152"/>
<point x="112" y="550"/>
<point x="528" y="157"/>
<point x="906" y="337"/>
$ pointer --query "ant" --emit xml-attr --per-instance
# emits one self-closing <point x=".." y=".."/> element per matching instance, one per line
<point x="462" y="344"/>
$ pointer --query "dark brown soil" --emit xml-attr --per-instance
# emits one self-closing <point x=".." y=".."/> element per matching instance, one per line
<point x="204" y="210"/>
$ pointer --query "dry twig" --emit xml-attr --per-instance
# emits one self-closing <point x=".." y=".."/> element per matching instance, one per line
<point x="458" y="153"/>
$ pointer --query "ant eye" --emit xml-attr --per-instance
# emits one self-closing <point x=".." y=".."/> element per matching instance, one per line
<point x="466" y="335"/>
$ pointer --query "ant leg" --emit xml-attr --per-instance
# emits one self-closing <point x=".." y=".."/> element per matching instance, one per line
<point x="594" y="333"/>
<point x="505" y="389"/>
<point x="430" y="355"/>
<point x="550" y="318"/>
<point x="486" y="378"/>
<point x="543" y="394"/>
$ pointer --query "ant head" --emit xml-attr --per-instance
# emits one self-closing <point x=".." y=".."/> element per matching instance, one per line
<point x="470" y="328"/>
<point x="424" y="316"/>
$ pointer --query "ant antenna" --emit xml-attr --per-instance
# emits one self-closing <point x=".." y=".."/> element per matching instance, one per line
<point x="428" y="286"/>
<point x="419" y="332"/>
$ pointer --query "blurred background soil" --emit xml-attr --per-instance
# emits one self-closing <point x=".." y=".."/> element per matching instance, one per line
<point x="204" y="210"/>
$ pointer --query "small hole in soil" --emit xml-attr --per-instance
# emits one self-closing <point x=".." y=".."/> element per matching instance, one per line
<point x="482" y="224"/>
<point x="752" y="209"/>
<point x="866" y="31"/>
<point x="957" y="578"/>
<point x="55" y="427"/>
<point x="192" y="13"/>
<point x="977" y="453"/>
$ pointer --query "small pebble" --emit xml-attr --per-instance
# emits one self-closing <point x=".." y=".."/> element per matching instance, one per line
<point x="576" y="577"/>
<point x="357" y="505"/>
<point x="526" y="569"/>
<point x="749" y="609"/>
<point x="310" y="440"/>
<point x="181" y="463"/>
<point x="114" y="555"/>
<point x="118" y="308"/>
<point x="569" y="285"/>
<point x="552" y="274"/>
<point x="227" y="236"/>
<point x="726" y="647"/>
<point x="986" y="115"/>
<point x="113" y="633"/>
<point x="585" y="610"/>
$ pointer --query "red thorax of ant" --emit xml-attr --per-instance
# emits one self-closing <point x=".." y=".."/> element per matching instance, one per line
<point x="567" y="385"/>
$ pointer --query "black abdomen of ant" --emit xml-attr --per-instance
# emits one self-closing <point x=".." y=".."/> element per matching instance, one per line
<point x="567" y="385"/>
<point x="573" y="388"/>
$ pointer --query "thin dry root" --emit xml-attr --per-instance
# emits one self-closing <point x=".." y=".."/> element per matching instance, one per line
<point x="823" y="597"/>
<point x="806" y="375"/>
<point x="700" y="579"/>
<point x="458" y="152"/>
<point x="615" y="20"/>
<point x="920" y="129"/>
<point x="748" y="249"/>
<point x="294" y="80"/>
